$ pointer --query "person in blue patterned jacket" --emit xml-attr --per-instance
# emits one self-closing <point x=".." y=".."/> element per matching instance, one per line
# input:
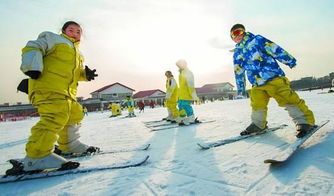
<point x="257" y="57"/>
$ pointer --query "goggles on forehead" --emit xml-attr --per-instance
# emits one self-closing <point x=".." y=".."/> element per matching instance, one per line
<point x="236" y="33"/>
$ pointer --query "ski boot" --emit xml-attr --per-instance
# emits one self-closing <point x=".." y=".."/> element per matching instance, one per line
<point x="168" y="118"/>
<point x="179" y="120"/>
<point x="173" y="120"/>
<point x="253" y="129"/>
<point x="303" y="129"/>
<point x="81" y="149"/>
<point x="35" y="165"/>
<point x="189" y="120"/>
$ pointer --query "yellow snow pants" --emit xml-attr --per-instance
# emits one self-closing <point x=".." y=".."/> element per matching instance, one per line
<point x="171" y="106"/>
<point x="131" y="109"/>
<point x="56" y="112"/>
<point x="280" y="90"/>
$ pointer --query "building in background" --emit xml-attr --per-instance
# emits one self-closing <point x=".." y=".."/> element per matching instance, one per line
<point x="215" y="91"/>
<point x="112" y="92"/>
<point x="101" y="98"/>
<point x="17" y="112"/>
<point x="156" y="96"/>
<point x="117" y="92"/>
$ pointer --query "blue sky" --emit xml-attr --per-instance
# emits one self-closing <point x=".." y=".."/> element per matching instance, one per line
<point x="134" y="42"/>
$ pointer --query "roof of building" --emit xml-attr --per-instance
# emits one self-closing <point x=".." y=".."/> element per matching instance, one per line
<point x="90" y="99"/>
<point x="205" y="90"/>
<point x="217" y="85"/>
<point x="147" y="93"/>
<point x="108" y="86"/>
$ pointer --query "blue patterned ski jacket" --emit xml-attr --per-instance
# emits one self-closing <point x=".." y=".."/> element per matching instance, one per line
<point x="257" y="56"/>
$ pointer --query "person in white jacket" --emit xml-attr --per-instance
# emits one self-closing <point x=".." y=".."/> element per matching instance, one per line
<point x="187" y="93"/>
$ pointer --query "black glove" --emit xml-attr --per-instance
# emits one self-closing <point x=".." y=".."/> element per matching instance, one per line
<point x="23" y="86"/>
<point x="33" y="74"/>
<point x="90" y="74"/>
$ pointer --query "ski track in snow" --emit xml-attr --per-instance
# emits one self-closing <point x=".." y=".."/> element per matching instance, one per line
<point x="176" y="165"/>
<point x="13" y="143"/>
<point x="217" y="182"/>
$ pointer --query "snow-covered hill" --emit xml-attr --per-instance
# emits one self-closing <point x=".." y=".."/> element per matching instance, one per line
<point x="176" y="165"/>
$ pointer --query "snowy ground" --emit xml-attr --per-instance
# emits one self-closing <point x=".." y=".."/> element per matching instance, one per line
<point x="176" y="165"/>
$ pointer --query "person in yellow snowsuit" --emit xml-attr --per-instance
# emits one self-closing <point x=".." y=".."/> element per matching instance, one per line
<point x="187" y="94"/>
<point x="55" y="66"/>
<point x="171" y="97"/>
<point x="115" y="109"/>
<point x="85" y="111"/>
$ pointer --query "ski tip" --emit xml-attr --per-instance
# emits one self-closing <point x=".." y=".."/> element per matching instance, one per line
<point x="147" y="146"/>
<point x="146" y="158"/>
<point x="268" y="161"/>
<point x="321" y="124"/>
<point x="202" y="147"/>
<point x="272" y="161"/>
<point x="140" y="162"/>
<point x="324" y="122"/>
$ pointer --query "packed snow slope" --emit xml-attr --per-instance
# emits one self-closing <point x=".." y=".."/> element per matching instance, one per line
<point x="177" y="166"/>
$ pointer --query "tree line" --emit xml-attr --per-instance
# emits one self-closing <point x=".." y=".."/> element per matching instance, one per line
<point x="310" y="83"/>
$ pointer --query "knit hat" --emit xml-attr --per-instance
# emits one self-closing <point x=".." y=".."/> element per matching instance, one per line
<point x="182" y="64"/>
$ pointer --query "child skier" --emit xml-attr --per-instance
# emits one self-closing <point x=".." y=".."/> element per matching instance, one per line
<point x="115" y="109"/>
<point x="54" y="64"/>
<point x="257" y="56"/>
<point x="85" y="111"/>
<point x="128" y="102"/>
<point x="141" y="107"/>
<point x="171" y="97"/>
<point x="152" y="104"/>
<point x="187" y="94"/>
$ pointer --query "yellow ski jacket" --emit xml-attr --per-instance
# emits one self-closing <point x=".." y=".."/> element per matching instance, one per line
<point x="58" y="59"/>
<point x="187" y="86"/>
<point x="171" y="90"/>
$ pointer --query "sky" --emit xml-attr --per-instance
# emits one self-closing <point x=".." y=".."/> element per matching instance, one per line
<point x="134" y="42"/>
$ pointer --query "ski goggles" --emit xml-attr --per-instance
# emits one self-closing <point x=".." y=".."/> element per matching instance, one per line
<point x="237" y="33"/>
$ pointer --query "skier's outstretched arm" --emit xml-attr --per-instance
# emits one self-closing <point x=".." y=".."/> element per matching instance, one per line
<point x="276" y="51"/>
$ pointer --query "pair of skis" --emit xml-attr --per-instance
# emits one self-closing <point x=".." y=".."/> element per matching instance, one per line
<point x="57" y="172"/>
<point x="222" y="142"/>
<point x="137" y="162"/>
<point x="160" y="125"/>
<point x="163" y="125"/>
<point x="141" y="148"/>
<point x="294" y="146"/>
<point x="280" y="158"/>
